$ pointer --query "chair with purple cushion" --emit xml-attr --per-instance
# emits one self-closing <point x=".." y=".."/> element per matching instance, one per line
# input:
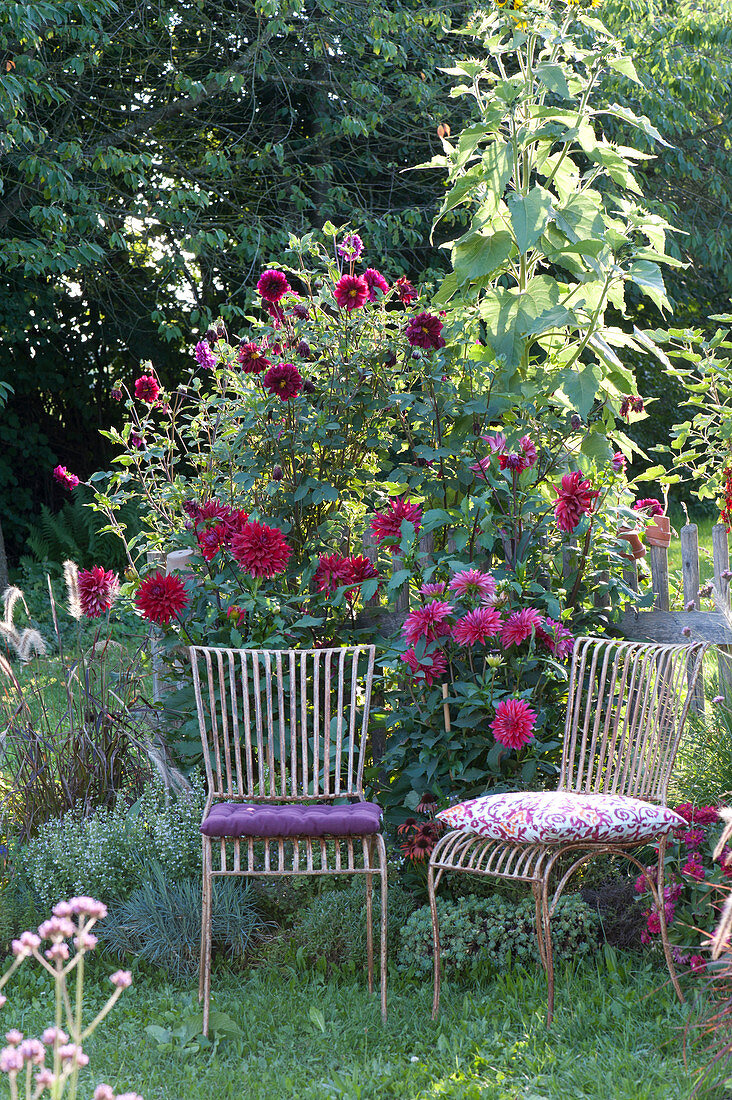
<point x="627" y="705"/>
<point x="284" y="737"/>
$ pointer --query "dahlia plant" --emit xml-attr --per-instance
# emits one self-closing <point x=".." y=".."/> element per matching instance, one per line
<point x="23" y="1061"/>
<point x="694" y="873"/>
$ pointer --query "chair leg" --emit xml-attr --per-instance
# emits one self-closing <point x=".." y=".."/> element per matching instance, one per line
<point x="202" y="956"/>
<point x="536" y="891"/>
<point x="384" y="900"/>
<point x="206" y="935"/>
<point x="370" y="924"/>
<point x="662" y="919"/>
<point x="548" y="950"/>
<point x="435" y="939"/>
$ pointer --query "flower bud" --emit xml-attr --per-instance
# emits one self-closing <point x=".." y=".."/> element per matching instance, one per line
<point x="116" y="393"/>
<point x="575" y="422"/>
<point x="303" y="350"/>
<point x="277" y="473"/>
<point x="308" y="386"/>
<point x="390" y="359"/>
<point x="211" y="336"/>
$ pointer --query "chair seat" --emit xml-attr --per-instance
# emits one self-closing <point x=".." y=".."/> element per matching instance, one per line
<point x="562" y="817"/>
<point x="237" y="819"/>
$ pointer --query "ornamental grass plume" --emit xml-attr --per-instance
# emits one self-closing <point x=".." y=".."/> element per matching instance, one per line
<point x="27" y="642"/>
<point x="23" y="1060"/>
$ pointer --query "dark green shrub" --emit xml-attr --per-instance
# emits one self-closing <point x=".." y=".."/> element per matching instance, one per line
<point x="333" y="926"/>
<point x="161" y="922"/>
<point x="494" y="931"/>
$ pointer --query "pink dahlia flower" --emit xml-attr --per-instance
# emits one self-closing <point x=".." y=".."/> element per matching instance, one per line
<point x="331" y="573"/>
<point x="375" y="282"/>
<point x="649" y="505"/>
<point x="618" y="462"/>
<point x="387" y="526"/>
<point x="351" y="247"/>
<point x="477" y="626"/>
<point x="160" y="598"/>
<point x="514" y="723"/>
<point x="437" y="588"/>
<point x="261" y="551"/>
<point x="63" y="477"/>
<point x="284" y="380"/>
<point x="473" y="583"/>
<point x="147" y="389"/>
<point x="359" y="569"/>
<point x="429" y="667"/>
<point x="496" y="443"/>
<point x="272" y="285"/>
<point x="574" y="500"/>
<point x="427" y="622"/>
<point x="252" y="359"/>
<point x="351" y="291"/>
<point x="405" y="291"/>
<point x="520" y="626"/>
<point x="481" y="467"/>
<point x="528" y="449"/>
<point x="423" y="331"/>
<point x="98" y="590"/>
<point x="204" y="356"/>
<point x="557" y="638"/>
<point x="697" y="964"/>
<point x="693" y="867"/>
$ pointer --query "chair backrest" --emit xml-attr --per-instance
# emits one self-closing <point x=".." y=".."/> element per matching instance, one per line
<point x="283" y="725"/>
<point x="626" y="710"/>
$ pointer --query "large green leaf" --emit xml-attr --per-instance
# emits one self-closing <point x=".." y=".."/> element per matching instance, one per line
<point x="529" y="216"/>
<point x="481" y="255"/>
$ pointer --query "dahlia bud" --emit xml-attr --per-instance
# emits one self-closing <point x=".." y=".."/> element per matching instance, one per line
<point x="390" y="359"/>
<point x="303" y="350"/>
<point x="308" y="386"/>
<point x="277" y="473"/>
<point x="211" y="336"/>
<point x="575" y="422"/>
<point x="116" y="393"/>
<point x="301" y="311"/>
<point x="416" y="354"/>
<point x="221" y="330"/>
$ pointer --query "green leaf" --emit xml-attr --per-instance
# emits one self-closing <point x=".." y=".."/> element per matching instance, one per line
<point x="481" y="255"/>
<point x="580" y="388"/>
<point x="317" y="1017"/>
<point x="648" y="277"/>
<point x="625" y="66"/>
<point x="553" y="78"/>
<point x="529" y="216"/>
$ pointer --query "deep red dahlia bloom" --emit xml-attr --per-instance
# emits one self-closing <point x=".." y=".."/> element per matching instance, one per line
<point x="359" y="569"/>
<point x="649" y="505"/>
<point x="423" y="331"/>
<point x="284" y="380"/>
<point x="147" y="389"/>
<point x="574" y="500"/>
<point x="427" y="622"/>
<point x="160" y="598"/>
<point x="261" y="551"/>
<point x="514" y="723"/>
<point x="375" y="282"/>
<point x="331" y="573"/>
<point x="272" y="285"/>
<point x="519" y="626"/>
<point x="429" y="667"/>
<point x="405" y="291"/>
<point x="98" y="590"/>
<point x="388" y="525"/>
<point x="477" y="626"/>
<point x="557" y="638"/>
<point x="351" y="291"/>
<point x="63" y="477"/>
<point x="252" y="359"/>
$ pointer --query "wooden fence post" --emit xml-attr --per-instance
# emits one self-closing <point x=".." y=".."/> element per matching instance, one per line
<point x="659" y="574"/>
<point x="720" y="555"/>
<point x="690" y="575"/>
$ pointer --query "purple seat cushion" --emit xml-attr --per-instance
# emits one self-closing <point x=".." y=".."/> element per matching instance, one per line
<point x="247" y="819"/>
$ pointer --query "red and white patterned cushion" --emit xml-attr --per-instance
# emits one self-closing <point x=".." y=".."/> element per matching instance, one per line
<point x="555" y="817"/>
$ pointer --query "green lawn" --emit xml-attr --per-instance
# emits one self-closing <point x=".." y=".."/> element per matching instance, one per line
<point x="617" y="1035"/>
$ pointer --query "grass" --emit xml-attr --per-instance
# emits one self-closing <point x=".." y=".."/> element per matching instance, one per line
<point x="617" y="1035"/>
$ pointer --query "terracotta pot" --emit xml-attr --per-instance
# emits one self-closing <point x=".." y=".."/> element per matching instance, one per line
<point x="658" y="532"/>
<point x="636" y="547"/>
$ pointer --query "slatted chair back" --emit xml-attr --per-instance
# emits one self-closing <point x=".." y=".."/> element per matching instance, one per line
<point x="627" y="706"/>
<point x="283" y="725"/>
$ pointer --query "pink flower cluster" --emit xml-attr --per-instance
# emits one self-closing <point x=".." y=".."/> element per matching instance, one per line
<point x="333" y="571"/>
<point x="517" y="461"/>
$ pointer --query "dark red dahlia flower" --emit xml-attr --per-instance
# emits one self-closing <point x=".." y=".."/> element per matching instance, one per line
<point x="252" y="359"/>
<point x="260" y="550"/>
<point x="375" y="282"/>
<point x="284" y="380"/>
<point x="359" y="569"/>
<point x="387" y="526"/>
<point x="351" y="291"/>
<point x="423" y="331"/>
<point x="273" y="285"/>
<point x="331" y="573"/>
<point x="405" y="291"/>
<point x="574" y="500"/>
<point x="98" y="590"/>
<point x="147" y="389"/>
<point x="159" y="598"/>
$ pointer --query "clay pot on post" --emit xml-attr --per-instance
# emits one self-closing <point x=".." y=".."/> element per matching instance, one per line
<point x="658" y="532"/>
<point x="636" y="548"/>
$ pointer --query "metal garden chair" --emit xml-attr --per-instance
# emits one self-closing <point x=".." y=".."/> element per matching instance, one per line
<point x="627" y="705"/>
<point x="284" y="735"/>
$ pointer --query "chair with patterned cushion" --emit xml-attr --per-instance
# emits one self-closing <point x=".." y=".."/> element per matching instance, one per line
<point x="627" y="705"/>
<point x="284" y="736"/>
